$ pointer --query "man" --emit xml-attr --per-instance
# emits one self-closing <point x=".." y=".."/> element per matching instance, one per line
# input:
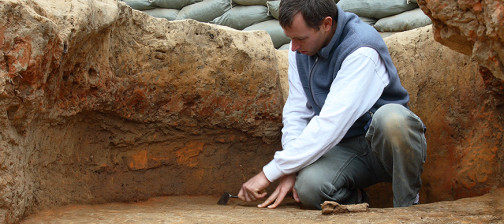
<point x="346" y="121"/>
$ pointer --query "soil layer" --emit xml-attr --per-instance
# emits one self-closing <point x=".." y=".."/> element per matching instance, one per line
<point x="204" y="209"/>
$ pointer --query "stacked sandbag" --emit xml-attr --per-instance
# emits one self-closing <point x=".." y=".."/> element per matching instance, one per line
<point x="205" y="11"/>
<point x="284" y="47"/>
<point x="370" y="21"/>
<point x="271" y="26"/>
<point x="404" y="21"/>
<point x="238" y="14"/>
<point x="274" y="29"/>
<point x="169" y="14"/>
<point x="262" y="15"/>
<point x="376" y="8"/>
<point x="250" y="2"/>
<point x="139" y="4"/>
<point x="273" y="8"/>
<point x="200" y="10"/>
<point x="173" y="4"/>
<point x="239" y="17"/>
<point x="387" y="16"/>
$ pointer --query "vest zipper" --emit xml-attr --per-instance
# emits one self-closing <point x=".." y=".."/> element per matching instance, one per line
<point x="310" y="82"/>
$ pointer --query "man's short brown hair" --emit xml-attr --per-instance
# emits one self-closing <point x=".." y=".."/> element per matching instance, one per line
<point x="313" y="11"/>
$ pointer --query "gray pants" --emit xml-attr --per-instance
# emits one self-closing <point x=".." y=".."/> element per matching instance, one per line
<point x="393" y="150"/>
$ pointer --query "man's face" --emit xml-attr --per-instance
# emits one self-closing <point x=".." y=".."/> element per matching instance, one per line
<point x="306" y="40"/>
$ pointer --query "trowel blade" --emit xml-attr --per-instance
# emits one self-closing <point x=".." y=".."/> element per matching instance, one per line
<point x="225" y="198"/>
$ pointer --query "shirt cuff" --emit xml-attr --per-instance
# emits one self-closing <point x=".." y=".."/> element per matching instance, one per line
<point x="272" y="172"/>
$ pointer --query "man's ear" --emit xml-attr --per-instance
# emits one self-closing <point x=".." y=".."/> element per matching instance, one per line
<point x="327" y="23"/>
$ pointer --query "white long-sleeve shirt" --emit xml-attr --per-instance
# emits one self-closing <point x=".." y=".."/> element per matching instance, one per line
<point x="306" y="137"/>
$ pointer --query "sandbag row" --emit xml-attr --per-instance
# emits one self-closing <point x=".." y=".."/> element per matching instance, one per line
<point x="244" y="15"/>
<point x="387" y="16"/>
<point x="179" y="4"/>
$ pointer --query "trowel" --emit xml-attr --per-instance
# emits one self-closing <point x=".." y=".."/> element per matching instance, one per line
<point x="225" y="198"/>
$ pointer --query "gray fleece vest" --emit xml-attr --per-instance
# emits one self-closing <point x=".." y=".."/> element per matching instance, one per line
<point x="317" y="72"/>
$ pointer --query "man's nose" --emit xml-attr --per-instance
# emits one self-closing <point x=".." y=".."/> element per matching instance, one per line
<point x="295" y="45"/>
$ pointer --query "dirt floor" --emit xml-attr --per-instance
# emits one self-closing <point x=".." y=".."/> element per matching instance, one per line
<point x="204" y="209"/>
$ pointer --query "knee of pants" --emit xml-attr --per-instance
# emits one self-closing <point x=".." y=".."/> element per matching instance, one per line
<point x="311" y="190"/>
<point x="390" y="116"/>
<point x="394" y="120"/>
<point x="396" y="128"/>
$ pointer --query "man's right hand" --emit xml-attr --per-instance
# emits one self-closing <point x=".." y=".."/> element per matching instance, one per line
<point x="253" y="188"/>
<point x="285" y="186"/>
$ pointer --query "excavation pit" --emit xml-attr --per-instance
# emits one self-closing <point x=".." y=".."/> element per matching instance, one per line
<point x="103" y="104"/>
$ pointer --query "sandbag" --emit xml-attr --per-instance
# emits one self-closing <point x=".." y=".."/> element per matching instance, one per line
<point x="285" y="47"/>
<point x="274" y="30"/>
<point x="376" y="8"/>
<point x="173" y="4"/>
<point x="250" y="2"/>
<point x="405" y="21"/>
<point x="139" y="4"/>
<point x="273" y="8"/>
<point x="369" y="21"/>
<point x="204" y="11"/>
<point x="169" y="14"/>
<point x="240" y="17"/>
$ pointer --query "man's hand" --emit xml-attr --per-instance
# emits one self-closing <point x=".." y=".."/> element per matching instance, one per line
<point x="285" y="186"/>
<point x="251" y="190"/>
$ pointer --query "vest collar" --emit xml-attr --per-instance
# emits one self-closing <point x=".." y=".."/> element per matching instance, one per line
<point x="326" y="51"/>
